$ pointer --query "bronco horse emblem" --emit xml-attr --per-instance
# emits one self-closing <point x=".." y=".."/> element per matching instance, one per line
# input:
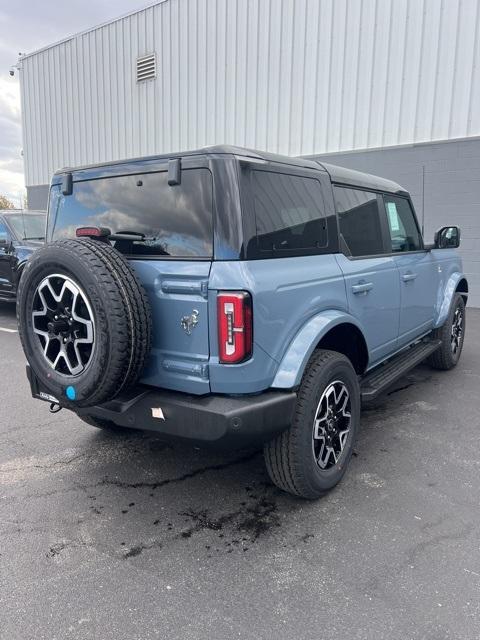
<point x="190" y="322"/>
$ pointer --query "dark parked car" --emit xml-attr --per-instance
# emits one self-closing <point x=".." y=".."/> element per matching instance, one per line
<point x="21" y="232"/>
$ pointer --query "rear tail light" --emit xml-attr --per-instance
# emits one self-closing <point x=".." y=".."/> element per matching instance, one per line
<point x="234" y="326"/>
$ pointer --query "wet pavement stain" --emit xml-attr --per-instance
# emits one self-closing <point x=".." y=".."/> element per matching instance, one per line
<point x="250" y="522"/>
<point x="239" y="529"/>
<point x="308" y="536"/>
<point x="55" y="549"/>
<point x="133" y="551"/>
<point x="260" y="518"/>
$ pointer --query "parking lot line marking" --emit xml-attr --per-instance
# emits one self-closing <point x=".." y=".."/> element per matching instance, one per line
<point x="8" y="330"/>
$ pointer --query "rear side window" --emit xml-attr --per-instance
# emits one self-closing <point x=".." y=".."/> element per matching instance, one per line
<point x="404" y="232"/>
<point x="172" y="221"/>
<point x="359" y="221"/>
<point x="289" y="212"/>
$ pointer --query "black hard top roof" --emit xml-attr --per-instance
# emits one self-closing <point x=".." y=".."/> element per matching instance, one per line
<point x="216" y="150"/>
<point x="339" y="175"/>
<point x="350" y="177"/>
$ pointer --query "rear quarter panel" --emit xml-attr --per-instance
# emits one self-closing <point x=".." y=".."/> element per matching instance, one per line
<point x="286" y="294"/>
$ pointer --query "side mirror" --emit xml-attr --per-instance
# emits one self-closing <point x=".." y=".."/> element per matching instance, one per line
<point x="4" y="242"/>
<point x="447" y="238"/>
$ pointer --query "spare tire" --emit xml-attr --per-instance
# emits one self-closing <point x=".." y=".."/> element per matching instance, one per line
<point x="84" y="321"/>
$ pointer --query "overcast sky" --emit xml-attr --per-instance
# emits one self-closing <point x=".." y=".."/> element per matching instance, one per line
<point x="25" y="26"/>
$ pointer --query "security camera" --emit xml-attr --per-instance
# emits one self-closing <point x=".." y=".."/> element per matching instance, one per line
<point x="12" y="72"/>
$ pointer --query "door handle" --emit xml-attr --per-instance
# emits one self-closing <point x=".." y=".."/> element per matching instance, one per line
<point x="362" y="287"/>
<point x="407" y="277"/>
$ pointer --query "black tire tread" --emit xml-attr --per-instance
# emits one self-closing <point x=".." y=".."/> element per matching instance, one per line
<point x="441" y="359"/>
<point x="281" y="454"/>
<point x="135" y="298"/>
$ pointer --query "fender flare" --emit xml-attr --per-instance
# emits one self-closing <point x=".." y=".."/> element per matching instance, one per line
<point x="290" y="370"/>
<point x="448" y="295"/>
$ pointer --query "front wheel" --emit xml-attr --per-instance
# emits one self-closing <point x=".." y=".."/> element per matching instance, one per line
<point x="311" y="457"/>
<point x="452" y="335"/>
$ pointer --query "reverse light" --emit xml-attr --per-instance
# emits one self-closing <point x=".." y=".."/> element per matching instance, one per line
<point x="234" y="311"/>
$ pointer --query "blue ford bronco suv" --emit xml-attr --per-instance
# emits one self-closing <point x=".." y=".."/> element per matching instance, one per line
<point x="236" y="297"/>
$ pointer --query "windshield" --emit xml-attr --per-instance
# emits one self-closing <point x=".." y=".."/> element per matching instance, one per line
<point x="28" y="226"/>
<point x="146" y="215"/>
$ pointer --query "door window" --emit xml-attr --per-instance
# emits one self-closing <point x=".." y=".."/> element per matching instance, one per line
<point x="359" y="221"/>
<point x="402" y="225"/>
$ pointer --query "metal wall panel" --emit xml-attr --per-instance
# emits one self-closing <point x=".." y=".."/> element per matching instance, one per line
<point x="292" y="76"/>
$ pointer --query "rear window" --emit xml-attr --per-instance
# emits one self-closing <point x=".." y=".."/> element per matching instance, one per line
<point x="175" y="220"/>
<point x="289" y="212"/>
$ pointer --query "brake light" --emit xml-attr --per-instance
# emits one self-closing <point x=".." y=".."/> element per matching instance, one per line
<point x="92" y="232"/>
<point x="234" y="326"/>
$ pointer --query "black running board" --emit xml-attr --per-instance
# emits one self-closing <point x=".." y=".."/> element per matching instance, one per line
<point x="383" y="376"/>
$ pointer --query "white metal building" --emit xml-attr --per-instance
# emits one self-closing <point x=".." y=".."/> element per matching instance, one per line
<point x="301" y="77"/>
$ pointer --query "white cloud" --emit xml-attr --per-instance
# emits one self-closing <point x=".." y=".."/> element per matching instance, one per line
<point x="25" y="27"/>
<point x="9" y="98"/>
<point x="11" y="165"/>
<point x="12" y="185"/>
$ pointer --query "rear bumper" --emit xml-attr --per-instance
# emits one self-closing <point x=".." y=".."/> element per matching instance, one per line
<point x="233" y="421"/>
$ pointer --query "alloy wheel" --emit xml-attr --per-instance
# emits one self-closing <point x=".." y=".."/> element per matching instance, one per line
<point x="331" y="425"/>
<point x="457" y="330"/>
<point x="63" y="322"/>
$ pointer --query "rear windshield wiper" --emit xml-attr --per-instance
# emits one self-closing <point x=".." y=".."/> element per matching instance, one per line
<point x="35" y="238"/>
<point x="122" y="240"/>
<point x="105" y="233"/>
<point x="136" y="236"/>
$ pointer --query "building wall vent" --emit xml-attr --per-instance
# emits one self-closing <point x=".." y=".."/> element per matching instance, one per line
<point x="146" y="67"/>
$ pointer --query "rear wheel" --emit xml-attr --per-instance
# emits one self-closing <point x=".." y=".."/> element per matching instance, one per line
<point x="452" y="335"/>
<point x="311" y="457"/>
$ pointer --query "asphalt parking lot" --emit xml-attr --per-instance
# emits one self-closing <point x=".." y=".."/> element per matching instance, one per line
<point x="124" y="537"/>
